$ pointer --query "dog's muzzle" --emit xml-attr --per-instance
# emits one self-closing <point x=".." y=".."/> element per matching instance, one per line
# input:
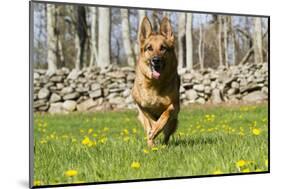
<point x="156" y="65"/>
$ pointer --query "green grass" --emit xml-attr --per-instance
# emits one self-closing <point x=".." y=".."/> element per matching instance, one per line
<point x="209" y="140"/>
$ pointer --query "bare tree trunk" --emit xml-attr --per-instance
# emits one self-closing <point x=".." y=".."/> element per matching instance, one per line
<point x="201" y="47"/>
<point x="225" y="40"/>
<point x="93" y="40"/>
<point x="104" y="37"/>
<point x="257" y="39"/>
<point x="126" y="37"/>
<point x="181" y="40"/>
<point x="118" y="52"/>
<point x="82" y="32"/>
<point x="58" y="33"/>
<point x="203" y="51"/>
<point x="233" y="49"/>
<point x="51" y="41"/>
<point x="142" y="14"/>
<point x="219" y="40"/>
<point x="80" y="36"/>
<point x="189" y="46"/>
<point x="232" y="42"/>
<point x="167" y="14"/>
<point x="78" y="52"/>
<point x="155" y="21"/>
<point x="247" y="32"/>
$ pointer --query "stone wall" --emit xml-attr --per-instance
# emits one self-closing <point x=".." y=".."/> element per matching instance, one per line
<point x="92" y="89"/>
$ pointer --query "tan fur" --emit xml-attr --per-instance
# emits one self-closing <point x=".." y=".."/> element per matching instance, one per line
<point x="157" y="99"/>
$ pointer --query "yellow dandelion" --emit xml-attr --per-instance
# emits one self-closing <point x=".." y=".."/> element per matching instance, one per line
<point x="43" y="141"/>
<point x="247" y="170"/>
<point x="135" y="165"/>
<point x="126" y="139"/>
<point x="86" y="141"/>
<point x="90" y="131"/>
<point x="210" y="129"/>
<point x="64" y="136"/>
<point x="134" y="130"/>
<point x="145" y="151"/>
<point x="71" y="173"/>
<point x="37" y="183"/>
<point x="95" y="135"/>
<point x="103" y="140"/>
<point x="92" y="144"/>
<point x="154" y="149"/>
<point x="105" y="129"/>
<point x="240" y="163"/>
<point x="209" y="118"/>
<point x="125" y="131"/>
<point x="181" y="134"/>
<point x="256" y="131"/>
<point x="217" y="172"/>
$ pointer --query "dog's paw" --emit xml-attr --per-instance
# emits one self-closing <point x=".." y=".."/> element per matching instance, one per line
<point x="150" y="143"/>
<point x="151" y="134"/>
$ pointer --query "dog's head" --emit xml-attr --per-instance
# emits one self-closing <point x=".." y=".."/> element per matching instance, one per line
<point x="156" y="48"/>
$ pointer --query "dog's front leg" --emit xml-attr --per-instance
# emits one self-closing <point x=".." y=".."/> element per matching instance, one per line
<point x="147" y="123"/>
<point x="170" y="112"/>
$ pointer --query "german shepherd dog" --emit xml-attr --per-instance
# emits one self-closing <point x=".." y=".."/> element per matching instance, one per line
<point x="156" y="86"/>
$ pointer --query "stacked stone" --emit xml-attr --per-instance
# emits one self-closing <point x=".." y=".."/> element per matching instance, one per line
<point x="93" y="89"/>
<point x="244" y="83"/>
<point x="90" y="89"/>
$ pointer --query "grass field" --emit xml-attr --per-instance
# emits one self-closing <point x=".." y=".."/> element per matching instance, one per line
<point x="77" y="148"/>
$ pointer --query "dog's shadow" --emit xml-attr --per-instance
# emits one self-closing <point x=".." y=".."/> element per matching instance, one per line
<point x="194" y="141"/>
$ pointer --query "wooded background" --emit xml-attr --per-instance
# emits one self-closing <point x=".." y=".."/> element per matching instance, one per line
<point x="76" y="37"/>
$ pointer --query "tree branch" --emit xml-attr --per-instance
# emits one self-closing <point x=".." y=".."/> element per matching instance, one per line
<point x="247" y="56"/>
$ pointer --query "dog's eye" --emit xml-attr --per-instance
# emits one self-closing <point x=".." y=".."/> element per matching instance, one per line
<point x="162" y="48"/>
<point x="149" y="48"/>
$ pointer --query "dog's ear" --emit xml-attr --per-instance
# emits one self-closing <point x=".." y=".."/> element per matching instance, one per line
<point x="145" y="30"/>
<point x="166" y="29"/>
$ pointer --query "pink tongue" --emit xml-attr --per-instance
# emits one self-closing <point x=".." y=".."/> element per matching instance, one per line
<point x="155" y="74"/>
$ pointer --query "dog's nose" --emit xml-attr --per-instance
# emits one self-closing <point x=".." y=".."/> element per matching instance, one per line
<point x="156" y="60"/>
